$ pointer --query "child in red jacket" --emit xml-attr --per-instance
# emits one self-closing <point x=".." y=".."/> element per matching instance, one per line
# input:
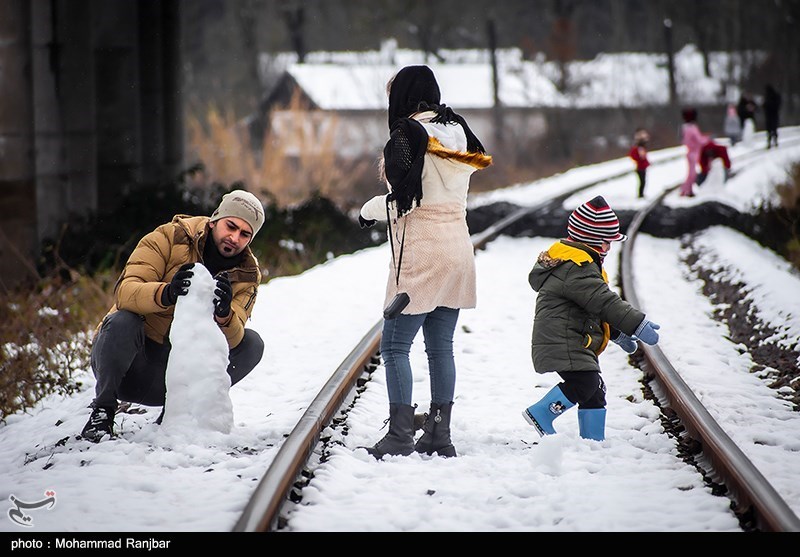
<point x="639" y="154"/>
<point x="713" y="150"/>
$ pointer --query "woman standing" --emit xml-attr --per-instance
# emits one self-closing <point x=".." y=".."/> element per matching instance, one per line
<point x="427" y="164"/>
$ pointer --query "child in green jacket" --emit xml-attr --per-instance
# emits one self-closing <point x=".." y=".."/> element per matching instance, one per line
<point x="576" y="315"/>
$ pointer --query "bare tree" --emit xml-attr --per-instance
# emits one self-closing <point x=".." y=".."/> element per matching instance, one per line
<point x="247" y="19"/>
<point x="294" y="15"/>
<point x="491" y="32"/>
<point x="669" y="47"/>
<point x="704" y="18"/>
<point x="562" y="39"/>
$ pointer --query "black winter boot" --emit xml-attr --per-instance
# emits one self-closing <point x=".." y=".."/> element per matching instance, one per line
<point x="100" y="424"/>
<point x="419" y="421"/>
<point x="400" y="438"/>
<point x="436" y="432"/>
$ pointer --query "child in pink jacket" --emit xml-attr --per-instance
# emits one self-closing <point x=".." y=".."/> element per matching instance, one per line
<point x="694" y="141"/>
<point x="700" y="149"/>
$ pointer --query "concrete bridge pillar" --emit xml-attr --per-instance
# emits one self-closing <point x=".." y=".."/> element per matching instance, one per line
<point x="19" y="236"/>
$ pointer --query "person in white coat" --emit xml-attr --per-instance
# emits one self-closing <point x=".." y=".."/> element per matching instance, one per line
<point x="427" y="164"/>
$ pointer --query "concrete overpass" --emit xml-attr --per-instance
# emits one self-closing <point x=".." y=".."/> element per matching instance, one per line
<point x="90" y="107"/>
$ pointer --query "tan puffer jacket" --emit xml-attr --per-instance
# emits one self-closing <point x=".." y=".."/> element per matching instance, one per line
<point x="154" y="261"/>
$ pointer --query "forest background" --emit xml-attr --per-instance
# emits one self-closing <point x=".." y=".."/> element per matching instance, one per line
<point x="227" y="79"/>
<point x="224" y="38"/>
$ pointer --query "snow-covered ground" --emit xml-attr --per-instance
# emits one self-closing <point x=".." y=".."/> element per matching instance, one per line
<point x="505" y="478"/>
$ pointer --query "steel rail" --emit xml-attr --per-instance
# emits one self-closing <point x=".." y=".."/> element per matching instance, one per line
<point x="261" y="512"/>
<point x="750" y="489"/>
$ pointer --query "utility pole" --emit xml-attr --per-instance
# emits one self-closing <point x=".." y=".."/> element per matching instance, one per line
<point x="673" y="91"/>
<point x="497" y="111"/>
<point x="19" y="234"/>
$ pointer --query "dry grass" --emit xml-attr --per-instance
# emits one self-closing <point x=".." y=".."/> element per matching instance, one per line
<point x="46" y="332"/>
<point x="789" y="191"/>
<point x="298" y="159"/>
<point x="789" y="211"/>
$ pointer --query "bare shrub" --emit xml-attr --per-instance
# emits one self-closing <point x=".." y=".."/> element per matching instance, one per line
<point x="46" y="332"/>
<point x="789" y="213"/>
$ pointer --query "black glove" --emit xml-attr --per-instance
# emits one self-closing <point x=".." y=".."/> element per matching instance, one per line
<point x="224" y="293"/>
<point x="366" y="223"/>
<point x="178" y="286"/>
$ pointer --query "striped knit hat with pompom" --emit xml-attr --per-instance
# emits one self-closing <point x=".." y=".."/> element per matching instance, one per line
<point x="594" y="223"/>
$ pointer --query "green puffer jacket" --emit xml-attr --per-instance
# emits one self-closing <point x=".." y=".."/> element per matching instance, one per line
<point x="158" y="256"/>
<point x="575" y="309"/>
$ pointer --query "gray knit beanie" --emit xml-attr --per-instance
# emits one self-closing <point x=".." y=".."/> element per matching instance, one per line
<point x="242" y="204"/>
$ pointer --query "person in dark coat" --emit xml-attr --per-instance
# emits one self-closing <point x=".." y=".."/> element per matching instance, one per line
<point x="577" y="313"/>
<point x="772" y="107"/>
<point x="746" y="109"/>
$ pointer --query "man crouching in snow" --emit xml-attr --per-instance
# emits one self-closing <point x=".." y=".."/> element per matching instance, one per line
<point x="131" y="346"/>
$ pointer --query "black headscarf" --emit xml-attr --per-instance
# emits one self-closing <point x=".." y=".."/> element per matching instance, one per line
<point x="414" y="89"/>
<point x="411" y="86"/>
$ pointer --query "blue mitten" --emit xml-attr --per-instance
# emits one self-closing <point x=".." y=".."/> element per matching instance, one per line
<point x="646" y="332"/>
<point x="627" y="343"/>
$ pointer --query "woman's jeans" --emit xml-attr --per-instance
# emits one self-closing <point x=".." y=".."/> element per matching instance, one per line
<point x="438" y="327"/>
<point x="129" y="366"/>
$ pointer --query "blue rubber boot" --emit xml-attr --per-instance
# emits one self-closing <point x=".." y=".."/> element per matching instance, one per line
<point x="542" y="414"/>
<point x="592" y="423"/>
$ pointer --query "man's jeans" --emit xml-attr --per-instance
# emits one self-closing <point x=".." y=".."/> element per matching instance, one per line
<point x="131" y="367"/>
<point x="438" y="327"/>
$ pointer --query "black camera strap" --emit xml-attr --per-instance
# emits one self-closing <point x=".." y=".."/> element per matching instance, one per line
<point x="391" y="243"/>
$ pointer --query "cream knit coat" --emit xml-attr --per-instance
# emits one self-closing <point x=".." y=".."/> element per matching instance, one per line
<point x="438" y="266"/>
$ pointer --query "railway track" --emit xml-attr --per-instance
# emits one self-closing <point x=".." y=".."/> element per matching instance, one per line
<point x="752" y="493"/>
<point x="283" y="482"/>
